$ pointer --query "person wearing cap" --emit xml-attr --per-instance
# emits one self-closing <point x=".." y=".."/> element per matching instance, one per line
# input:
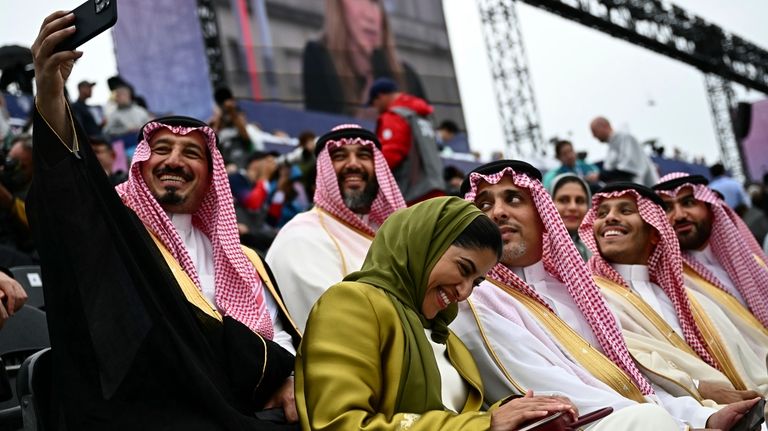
<point x="408" y="141"/>
<point x="158" y="317"/>
<point x="355" y="192"/>
<point x="720" y="256"/>
<point x="538" y="321"/>
<point x="127" y="116"/>
<point x="636" y="262"/>
<point x="82" y="111"/>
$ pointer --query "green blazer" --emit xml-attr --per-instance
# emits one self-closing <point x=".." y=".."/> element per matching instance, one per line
<point x="349" y="364"/>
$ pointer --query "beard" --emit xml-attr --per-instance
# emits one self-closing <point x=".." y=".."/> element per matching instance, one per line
<point x="697" y="237"/>
<point x="170" y="197"/>
<point x="359" y="201"/>
<point x="514" y="250"/>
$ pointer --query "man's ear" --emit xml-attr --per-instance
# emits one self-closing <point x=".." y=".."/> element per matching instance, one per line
<point x="655" y="237"/>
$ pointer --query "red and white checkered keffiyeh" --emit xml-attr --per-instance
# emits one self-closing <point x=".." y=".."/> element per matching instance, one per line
<point x="561" y="259"/>
<point x="665" y="266"/>
<point x="733" y="245"/>
<point x="328" y="196"/>
<point x="239" y="289"/>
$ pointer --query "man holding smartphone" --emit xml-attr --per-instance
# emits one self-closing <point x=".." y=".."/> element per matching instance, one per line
<point x="158" y="318"/>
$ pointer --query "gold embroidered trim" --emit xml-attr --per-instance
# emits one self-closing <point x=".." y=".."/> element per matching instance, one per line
<point x="580" y="350"/>
<point x="494" y="355"/>
<point x="646" y="310"/>
<point x="188" y="287"/>
<point x="714" y="344"/>
<point x="75" y="143"/>
<point x="321" y="215"/>
<point x="725" y="299"/>
<point x="258" y="264"/>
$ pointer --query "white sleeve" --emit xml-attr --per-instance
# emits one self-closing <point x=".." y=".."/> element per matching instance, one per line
<point x="685" y="409"/>
<point x="305" y="264"/>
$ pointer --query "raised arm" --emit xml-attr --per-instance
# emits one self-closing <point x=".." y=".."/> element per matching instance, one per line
<point x="51" y="72"/>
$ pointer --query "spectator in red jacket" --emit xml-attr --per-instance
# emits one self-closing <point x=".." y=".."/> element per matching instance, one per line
<point x="408" y="141"/>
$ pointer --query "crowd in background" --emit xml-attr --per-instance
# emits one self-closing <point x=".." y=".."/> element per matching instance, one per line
<point x="270" y="188"/>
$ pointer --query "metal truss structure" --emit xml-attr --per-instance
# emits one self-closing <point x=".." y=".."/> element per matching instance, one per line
<point x="668" y="30"/>
<point x="511" y="79"/>
<point x="210" y="28"/>
<point x="722" y="105"/>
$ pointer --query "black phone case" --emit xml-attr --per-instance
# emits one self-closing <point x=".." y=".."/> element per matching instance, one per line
<point x="753" y="419"/>
<point x="88" y="24"/>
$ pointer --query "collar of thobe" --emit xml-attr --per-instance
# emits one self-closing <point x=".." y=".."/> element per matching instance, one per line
<point x="182" y="223"/>
<point x="531" y="274"/>
<point x="632" y="273"/>
<point x="705" y="256"/>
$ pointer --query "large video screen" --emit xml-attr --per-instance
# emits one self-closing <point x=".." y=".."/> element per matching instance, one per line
<point x="755" y="146"/>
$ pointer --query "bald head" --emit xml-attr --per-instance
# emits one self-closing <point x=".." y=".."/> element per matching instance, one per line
<point x="601" y="129"/>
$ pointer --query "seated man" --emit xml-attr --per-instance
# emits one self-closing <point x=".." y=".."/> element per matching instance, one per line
<point x="539" y="313"/>
<point x="355" y="193"/>
<point x="721" y="259"/>
<point x="158" y="318"/>
<point x="637" y="264"/>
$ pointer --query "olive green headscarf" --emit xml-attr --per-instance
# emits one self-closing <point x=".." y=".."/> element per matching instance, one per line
<point x="406" y="248"/>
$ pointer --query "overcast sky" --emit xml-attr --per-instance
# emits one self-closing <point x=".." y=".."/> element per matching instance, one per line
<point x="577" y="73"/>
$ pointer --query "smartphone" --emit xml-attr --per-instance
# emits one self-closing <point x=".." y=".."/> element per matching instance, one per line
<point x="753" y="419"/>
<point x="91" y="19"/>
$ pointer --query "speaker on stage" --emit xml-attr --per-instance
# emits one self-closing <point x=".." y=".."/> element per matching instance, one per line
<point x="742" y="120"/>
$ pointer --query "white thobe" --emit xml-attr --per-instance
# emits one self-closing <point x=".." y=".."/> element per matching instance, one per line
<point x="311" y="253"/>
<point x="535" y="360"/>
<point x="707" y="258"/>
<point x="201" y="252"/>
<point x="557" y="296"/>
<point x="639" y="281"/>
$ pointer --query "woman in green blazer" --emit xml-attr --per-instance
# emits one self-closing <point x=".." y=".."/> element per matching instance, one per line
<point x="377" y="353"/>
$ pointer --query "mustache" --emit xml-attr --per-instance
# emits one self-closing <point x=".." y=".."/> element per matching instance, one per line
<point x="174" y="171"/>
<point x="358" y="171"/>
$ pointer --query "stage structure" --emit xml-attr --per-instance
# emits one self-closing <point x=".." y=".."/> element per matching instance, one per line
<point x="511" y="79"/>
<point x="666" y="29"/>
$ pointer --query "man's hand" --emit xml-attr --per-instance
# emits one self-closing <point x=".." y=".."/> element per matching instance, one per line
<point x="52" y="70"/>
<point x="284" y="398"/>
<point x="12" y="296"/>
<point x="727" y="417"/>
<point x="723" y="393"/>
<point x="521" y="410"/>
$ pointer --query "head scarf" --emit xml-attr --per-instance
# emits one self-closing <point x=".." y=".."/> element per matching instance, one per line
<point x="562" y="261"/>
<point x="400" y="260"/>
<point x="239" y="290"/>
<point x="732" y="243"/>
<point x="556" y="182"/>
<point x="665" y="266"/>
<point x="554" y="186"/>
<point x="327" y="193"/>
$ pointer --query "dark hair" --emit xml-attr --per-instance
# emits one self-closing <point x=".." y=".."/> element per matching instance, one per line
<point x="559" y="146"/>
<point x="449" y="126"/>
<point x="482" y="233"/>
<point x="717" y="170"/>
<point x="222" y="94"/>
<point x="305" y="136"/>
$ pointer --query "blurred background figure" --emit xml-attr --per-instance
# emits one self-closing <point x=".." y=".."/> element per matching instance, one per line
<point x="625" y="159"/>
<point x="571" y="163"/>
<point x="15" y="179"/>
<point x="356" y="47"/>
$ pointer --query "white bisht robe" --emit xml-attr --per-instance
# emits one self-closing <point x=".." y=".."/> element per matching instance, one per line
<point x="514" y="352"/>
<point x="733" y="307"/>
<point x="312" y="252"/>
<point x="652" y="332"/>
